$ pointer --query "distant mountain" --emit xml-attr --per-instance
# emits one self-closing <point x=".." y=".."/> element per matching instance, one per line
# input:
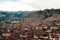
<point x="41" y="15"/>
<point x="5" y="15"/>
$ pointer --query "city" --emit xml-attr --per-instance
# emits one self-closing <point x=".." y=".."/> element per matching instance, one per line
<point x="34" y="26"/>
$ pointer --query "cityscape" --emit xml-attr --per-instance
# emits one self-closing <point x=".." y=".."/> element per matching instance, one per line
<point x="30" y="25"/>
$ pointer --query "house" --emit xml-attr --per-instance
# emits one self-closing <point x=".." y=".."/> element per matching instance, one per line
<point x="57" y="22"/>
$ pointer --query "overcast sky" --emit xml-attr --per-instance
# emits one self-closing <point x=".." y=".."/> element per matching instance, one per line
<point x="28" y="5"/>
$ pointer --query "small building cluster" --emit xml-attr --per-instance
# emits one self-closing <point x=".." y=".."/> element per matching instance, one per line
<point x="15" y="30"/>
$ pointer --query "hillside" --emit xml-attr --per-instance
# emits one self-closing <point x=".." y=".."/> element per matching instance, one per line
<point x="30" y="25"/>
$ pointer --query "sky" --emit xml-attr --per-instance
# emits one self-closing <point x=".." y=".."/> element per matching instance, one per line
<point x="28" y="5"/>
